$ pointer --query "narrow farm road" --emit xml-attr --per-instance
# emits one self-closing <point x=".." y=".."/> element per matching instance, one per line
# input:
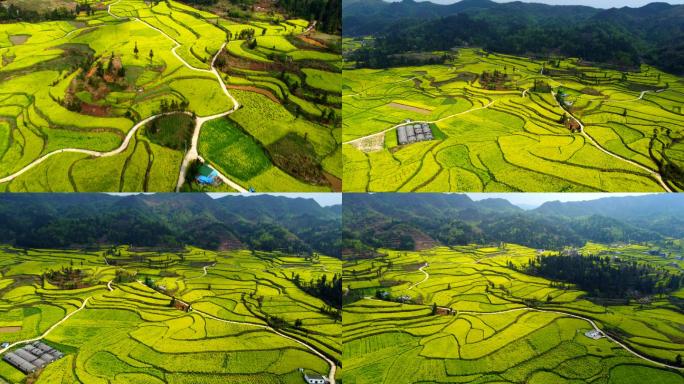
<point x="192" y="152"/>
<point x="641" y="96"/>
<point x="333" y="366"/>
<point x="427" y="276"/>
<point x="116" y="151"/>
<point x="653" y="173"/>
<point x="48" y="330"/>
<point x="418" y="122"/>
<point x="593" y="324"/>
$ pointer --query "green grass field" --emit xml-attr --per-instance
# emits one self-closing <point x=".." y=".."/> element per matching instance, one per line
<point x="485" y="330"/>
<point x="84" y="85"/>
<point x="129" y="333"/>
<point x="509" y="136"/>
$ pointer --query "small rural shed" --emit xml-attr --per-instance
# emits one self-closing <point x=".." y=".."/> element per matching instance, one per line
<point x="315" y="379"/>
<point x="593" y="334"/>
<point x="206" y="175"/>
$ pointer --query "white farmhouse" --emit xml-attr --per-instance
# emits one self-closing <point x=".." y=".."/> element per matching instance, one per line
<point x="315" y="379"/>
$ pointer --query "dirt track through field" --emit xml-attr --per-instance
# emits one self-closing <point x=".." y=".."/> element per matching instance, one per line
<point x="653" y="173"/>
<point x="190" y="155"/>
<point x="333" y="366"/>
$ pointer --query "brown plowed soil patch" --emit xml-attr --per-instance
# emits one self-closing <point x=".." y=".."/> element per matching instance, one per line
<point x="256" y="90"/>
<point x="410" y="108"/>
<point x="311" y="41"/>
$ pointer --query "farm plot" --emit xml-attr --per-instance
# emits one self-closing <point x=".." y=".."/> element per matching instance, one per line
<point x="74" y="95"/>
<point x="461" y="314"/>
<point x="513" y="124"/>
<point x="122" y="315"/>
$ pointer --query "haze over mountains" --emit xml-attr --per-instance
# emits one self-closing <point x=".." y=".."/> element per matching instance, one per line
<point x="408" y="222"/>
<point x="619" y="36"/>
<point x="261" y="222"/>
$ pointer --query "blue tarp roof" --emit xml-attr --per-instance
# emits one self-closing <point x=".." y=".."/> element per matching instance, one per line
<point x="208" y="179"/>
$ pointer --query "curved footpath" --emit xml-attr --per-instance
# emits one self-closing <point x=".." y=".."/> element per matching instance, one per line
<point x="333" y="366"/>
<point x="55" y="325"/>
<point x="593" y="324"/>
<point x="418" y="122"/>
<point x="192" y="153"/>
<point x="427" y="276"/>
<point x="653" y="173"/>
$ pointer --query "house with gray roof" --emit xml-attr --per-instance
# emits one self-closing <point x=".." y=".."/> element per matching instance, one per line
<point x="315" y="379"/>
<point x="414" y="133"/>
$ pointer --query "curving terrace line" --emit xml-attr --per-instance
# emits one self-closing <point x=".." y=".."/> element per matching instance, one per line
<point x="333" y="366"/>
<point x="653" y="173"/>
<point x="55" y="325"/>
<point x="417" y="121"/>
<point x="192" y="153"/>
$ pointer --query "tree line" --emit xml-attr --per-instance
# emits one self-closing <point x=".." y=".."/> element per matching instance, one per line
<point x="596" y="42"/>
<point x="329" y="291"/>
<point x="606" y="276"/>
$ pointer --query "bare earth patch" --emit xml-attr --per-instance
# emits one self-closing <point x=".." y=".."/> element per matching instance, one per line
<point x="372" y="143"/>
<point x="310" y="41"/>
<point x="9" y="329"/>
<point x="410" y="108"/>
<point x="18" y="39"/>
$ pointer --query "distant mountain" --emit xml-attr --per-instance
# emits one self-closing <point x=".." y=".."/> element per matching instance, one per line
<point x="617" y="36"/>
<point x="413" y="221"/>
<point x="169" y="220"/>
<point x="630" y="208"/>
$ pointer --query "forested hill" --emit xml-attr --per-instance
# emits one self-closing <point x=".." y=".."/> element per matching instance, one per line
<point x="405" y="221"/>
<point x="327" y="13"/>
<point x="261" y="222"/>
<point x="620" y="36"/>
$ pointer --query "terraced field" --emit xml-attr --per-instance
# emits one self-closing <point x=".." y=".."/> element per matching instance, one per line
<point x="76" y="98"/>
<point x="513" y="124"/>
<point x="113" y="328"/>
<point x="467" y="317"/>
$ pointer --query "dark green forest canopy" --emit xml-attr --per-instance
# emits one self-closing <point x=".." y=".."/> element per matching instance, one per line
<point x="397" y="221"/>
<point x="294" y="225"/>
<point x="618" y="37"/>
<point x="605" y="276"/>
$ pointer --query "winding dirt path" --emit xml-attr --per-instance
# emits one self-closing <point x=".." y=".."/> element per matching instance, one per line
<point x="641" y="96"/>
<point x="192" y="153"/>
<point x="593" y="324"/>
<point x="333" y="366"/>
<point x="653" y="173"/>
<point x="55" y="325"/>
<point x="427" y="276"/>
<point x="417" y="122"/>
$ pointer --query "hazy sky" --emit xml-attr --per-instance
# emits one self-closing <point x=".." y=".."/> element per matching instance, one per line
<point x="324" y="199"/>
<point x="595" y="3"/>
<point x="591" y="3"/>
<point x="537" y="199"/>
